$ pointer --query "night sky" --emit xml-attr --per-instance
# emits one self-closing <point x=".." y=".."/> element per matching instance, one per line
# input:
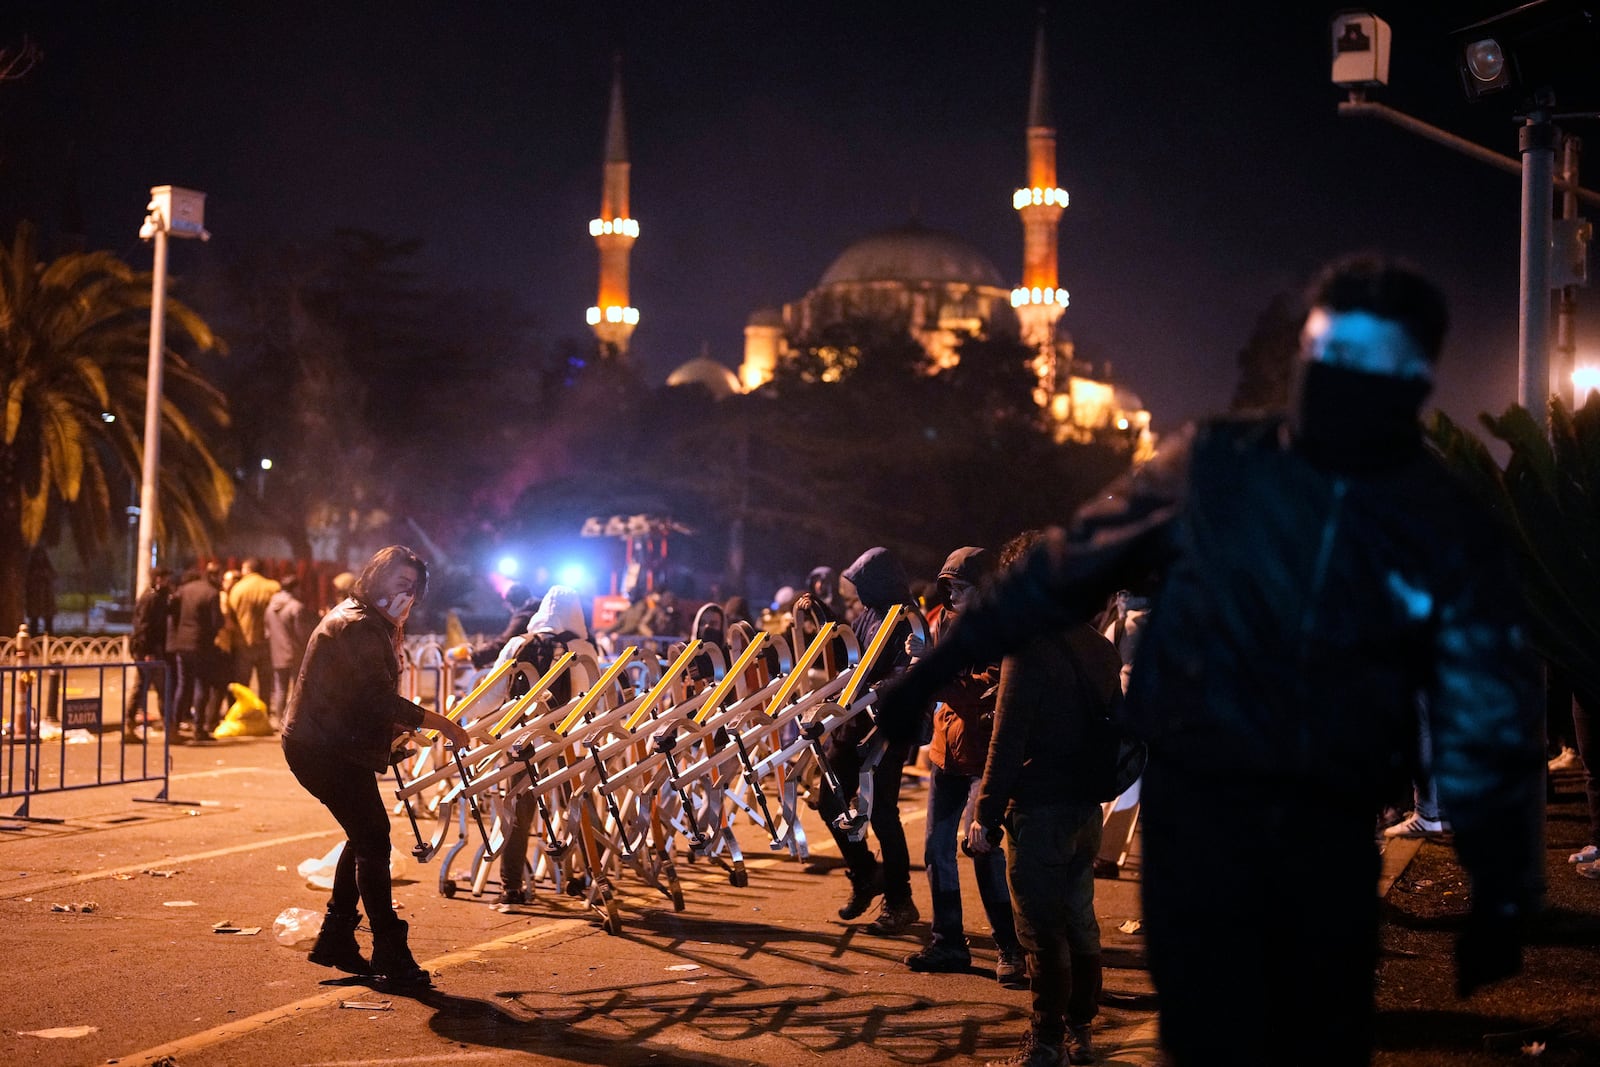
<point x="1199" y="142"/>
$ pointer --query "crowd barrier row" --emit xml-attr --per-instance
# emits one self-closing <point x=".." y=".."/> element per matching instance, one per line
<point x="650" y="748"/>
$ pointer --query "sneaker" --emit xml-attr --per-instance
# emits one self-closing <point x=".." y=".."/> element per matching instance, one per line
<point x="1415" y="825"/>
<point x="1588" y="854"/>
<point x="941" y="957"/>
<point x="863" y="891"/>
<point x="1011" y="969"/>
<point x="1033" y="1053"/>
<point x="512" y="895"/>
<point x="1566" y="760"/>
<point x="894" y="918"/>
<point x="1079" y="1045"/>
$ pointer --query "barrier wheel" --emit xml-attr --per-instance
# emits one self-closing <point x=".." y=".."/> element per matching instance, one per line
<point x="739" y="878"/>
<point x="448" y="887"/>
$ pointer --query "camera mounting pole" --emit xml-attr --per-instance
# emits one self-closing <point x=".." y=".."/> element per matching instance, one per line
<point x="1536" y="142"/>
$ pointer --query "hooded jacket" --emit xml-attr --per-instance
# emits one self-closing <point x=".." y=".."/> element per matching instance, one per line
<point x="559" y="615"/>
<point x="344" y="702"/>
<point x="881" y="583"/>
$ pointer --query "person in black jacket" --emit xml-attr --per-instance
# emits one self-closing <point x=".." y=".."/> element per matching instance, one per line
<point x="148" y="645"/>
<point x="194" y="617"/>
<point x="880" y="581"/>
<point x="523" y="605"/>
<point x="344" y="715"/>
<point x="1318" y="576"/>
<point x="1049" y="690"/>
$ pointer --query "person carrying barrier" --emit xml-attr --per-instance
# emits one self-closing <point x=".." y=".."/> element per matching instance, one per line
<point x="523" y="606"/>
<point x="344" y="715"/>
<point x="962" y="722"/>
<point x="1317" y="575"/>
<point x="557" y="627"/>
<point x="880" y="581"/>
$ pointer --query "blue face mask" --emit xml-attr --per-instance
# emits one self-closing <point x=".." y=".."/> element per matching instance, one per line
<point x="1348" y="420"/>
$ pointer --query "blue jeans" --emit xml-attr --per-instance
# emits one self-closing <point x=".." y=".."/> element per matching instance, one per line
<point x="947" y="801"/>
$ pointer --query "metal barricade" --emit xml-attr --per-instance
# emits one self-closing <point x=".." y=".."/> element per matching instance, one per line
<point x="63" y="728"/>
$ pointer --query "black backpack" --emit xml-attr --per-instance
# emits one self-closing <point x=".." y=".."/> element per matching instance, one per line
<point x="1111" y="760"/>
<point x="539" y="652"/>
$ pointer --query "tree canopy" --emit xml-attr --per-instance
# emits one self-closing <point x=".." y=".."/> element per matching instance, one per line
<point x="74" y="344"/>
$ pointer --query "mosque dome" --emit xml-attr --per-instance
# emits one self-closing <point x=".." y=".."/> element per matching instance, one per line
<point x="706" y="372"/>
<point x="913" y="253"/>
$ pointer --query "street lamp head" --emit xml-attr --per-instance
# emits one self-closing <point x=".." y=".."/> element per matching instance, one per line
<point x="1541" y="48"/>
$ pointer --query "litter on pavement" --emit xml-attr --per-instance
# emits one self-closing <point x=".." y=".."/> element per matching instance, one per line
<point x="368" y="1005"/>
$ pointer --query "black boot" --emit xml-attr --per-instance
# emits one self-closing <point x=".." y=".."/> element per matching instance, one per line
<point x="392" y="959"/>
<point x="336" y="945"/>
<point x="864" y="889"/>
<point x="1083" y="1003"/>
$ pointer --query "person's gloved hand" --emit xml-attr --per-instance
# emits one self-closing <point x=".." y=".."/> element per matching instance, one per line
<point x="458" y="653"/>
<point x="1489" y="949"/>
<point x="901" y="703"/>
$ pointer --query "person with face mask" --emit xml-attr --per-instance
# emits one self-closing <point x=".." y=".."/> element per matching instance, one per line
<point x="1316" y="576"/>
<point x="963" y="721"/>
<point x="344" y="714"/>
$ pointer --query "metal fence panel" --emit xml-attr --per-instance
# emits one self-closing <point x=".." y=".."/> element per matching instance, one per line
<point x="62" y="728"/>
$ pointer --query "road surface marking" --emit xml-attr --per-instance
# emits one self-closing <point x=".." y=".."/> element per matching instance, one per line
<point x="176" y="1050"/>
<point x="27" y="888"/>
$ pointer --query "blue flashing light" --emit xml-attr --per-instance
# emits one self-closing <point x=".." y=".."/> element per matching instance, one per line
<point x="573" y="574"/>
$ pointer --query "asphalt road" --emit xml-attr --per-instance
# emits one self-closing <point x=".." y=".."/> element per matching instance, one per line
<point x="761" y="974"/>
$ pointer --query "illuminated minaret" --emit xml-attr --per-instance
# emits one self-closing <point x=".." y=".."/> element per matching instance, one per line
<point x="1039" y="300"/>
<point x="614" y="232"/>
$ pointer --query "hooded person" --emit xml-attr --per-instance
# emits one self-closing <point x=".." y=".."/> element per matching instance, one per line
<point x="1312" y="580"/>
<point x="880" y="582"/>
<point x="963" y="720"/>
<point x="557" y="627"/>
<point x="823" y="585"/>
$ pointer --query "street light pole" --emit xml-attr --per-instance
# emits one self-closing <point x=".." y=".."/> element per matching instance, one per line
<point x="152" y="409"/>
<point x="1567" y="303"/>
<point x="180" y="212"/>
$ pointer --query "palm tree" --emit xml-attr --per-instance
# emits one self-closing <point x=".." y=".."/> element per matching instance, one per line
<point x="74" y="342"/>
<point x="1547" y="495"/>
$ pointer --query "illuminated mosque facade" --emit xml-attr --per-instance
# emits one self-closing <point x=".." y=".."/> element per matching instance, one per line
<point x="940" y="285"/>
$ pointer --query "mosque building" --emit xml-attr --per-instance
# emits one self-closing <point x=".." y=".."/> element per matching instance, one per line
<point x="939" y="284"/>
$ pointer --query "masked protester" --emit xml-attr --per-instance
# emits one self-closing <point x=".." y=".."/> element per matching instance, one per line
<point x="1317" y="576"/>
<point x="344" y="714"/>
